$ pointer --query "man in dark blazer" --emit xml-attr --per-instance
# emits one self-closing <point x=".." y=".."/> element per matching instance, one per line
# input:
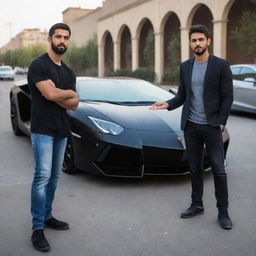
<point x="206" y="93"/>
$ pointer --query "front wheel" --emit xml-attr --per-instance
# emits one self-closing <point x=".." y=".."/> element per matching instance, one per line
<point x="14" y="118"/>
<point x="68" y="163"/>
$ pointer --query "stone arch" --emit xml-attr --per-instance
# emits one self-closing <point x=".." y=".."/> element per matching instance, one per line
<point x="201" y="14"/>
<point x="226" y="10"/>
<point x="107" y="42"/>
<point x="235" y="54"/>
<point x="124" y="37"/>
<point x="144" y="29"/>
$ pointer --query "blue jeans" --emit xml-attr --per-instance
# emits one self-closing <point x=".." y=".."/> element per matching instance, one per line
<point x="48" y="155"/>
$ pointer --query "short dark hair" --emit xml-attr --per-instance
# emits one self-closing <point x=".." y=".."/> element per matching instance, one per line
<point x="199" y="29"/>
<point x="59" y="26"/>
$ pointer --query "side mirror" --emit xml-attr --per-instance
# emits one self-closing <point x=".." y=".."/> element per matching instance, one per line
<point x="250" y="80"/>
<point x="173" y="91"/>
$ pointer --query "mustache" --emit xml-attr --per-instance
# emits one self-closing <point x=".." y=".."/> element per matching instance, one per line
<point x="61" y="45"/>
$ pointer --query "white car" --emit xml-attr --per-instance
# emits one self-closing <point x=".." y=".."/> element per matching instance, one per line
<point x="6" y="72"/>
<point x="20" y="70"/>
<point x="244" y="84"/>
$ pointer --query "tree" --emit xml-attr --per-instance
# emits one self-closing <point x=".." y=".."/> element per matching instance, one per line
<point x="173" y="51"/>
<point x="83" y="58"/>
<point x="91" y="55"/>
<point x="245" y="33"/>
<point x="22" y="56"/>
<point x="149" y="50"/>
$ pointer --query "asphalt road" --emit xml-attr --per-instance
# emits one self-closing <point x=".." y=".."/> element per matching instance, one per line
<point x="128" y="217"/>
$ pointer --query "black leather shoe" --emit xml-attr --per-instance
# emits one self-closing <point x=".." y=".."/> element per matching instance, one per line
<point x="56" y="224"/>
<point x="192" y="211"/>
<point x="39" y="241"/>
<point x="224" y="220"/>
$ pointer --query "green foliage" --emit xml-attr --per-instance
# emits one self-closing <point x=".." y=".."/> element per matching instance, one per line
<point x="122" y="72"/>
<point x="79" y="59"/>
<point x="91" y="54"/>
<point x="174" y="58"/>
<point x="82" y="58"/>
<point x="23" y="56"/>
<point x="171" y="78"/>
<point x="75" y="58"/>
<point x="145" y="74"/>
<point x="149" y="50"/>
<point x="245" y="33"/>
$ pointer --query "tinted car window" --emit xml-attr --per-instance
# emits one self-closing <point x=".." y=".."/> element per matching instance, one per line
<point x="121" y="91"/>
<point x="246" y="70"/>
<point x="6" y="69"/>
<point x="235" y="70"/>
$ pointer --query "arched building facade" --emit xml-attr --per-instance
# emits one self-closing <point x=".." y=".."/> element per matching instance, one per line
<point x="123" y="26"/>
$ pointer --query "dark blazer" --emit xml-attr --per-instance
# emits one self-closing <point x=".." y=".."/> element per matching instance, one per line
<point x="217" y="95"/>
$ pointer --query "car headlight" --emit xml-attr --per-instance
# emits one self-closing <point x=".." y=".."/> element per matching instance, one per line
<point x="106" y="126"/>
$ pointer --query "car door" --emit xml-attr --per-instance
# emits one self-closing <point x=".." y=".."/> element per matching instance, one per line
<point x="245" y="91"/>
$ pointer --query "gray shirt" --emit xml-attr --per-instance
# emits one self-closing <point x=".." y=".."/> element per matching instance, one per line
<point x="196" y="107"/>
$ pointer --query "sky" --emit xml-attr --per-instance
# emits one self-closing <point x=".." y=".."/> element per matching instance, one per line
<point x="16" y="15"/>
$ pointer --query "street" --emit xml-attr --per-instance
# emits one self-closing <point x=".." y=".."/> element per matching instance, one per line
<point x="128" y="217"/>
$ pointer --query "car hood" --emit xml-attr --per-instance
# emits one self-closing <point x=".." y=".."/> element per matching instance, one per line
<point x="138" y="117"/>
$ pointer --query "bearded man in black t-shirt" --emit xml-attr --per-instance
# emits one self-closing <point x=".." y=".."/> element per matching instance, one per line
<point x="53" y="91"/>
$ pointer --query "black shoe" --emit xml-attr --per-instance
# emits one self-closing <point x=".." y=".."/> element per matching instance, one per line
<point x="224" y="220"/>
<point x="56" y="224"/>
<point x="39" y="241"/>
<point x="192" y="211"/>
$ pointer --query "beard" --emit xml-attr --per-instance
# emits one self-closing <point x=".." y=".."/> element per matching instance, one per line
<point x="58" y="50"/>
<point x="201" y="52"/>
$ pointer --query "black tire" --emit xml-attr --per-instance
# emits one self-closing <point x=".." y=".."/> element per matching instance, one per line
<point x="68" y="163"/>
<point x="14" y="118"/>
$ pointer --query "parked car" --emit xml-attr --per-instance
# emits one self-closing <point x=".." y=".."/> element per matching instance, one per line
<point x="244" y="82"/>
<point x="6" y="72"/>
<point x="113" y="132"/>
<point x="20" y="70"/>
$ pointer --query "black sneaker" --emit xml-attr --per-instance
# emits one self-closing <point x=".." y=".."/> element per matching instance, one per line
<point x="56" y="224"/>
<point x="39" y="241"/>
<point x="192" y="211"/>
<point x="224" y="220"/>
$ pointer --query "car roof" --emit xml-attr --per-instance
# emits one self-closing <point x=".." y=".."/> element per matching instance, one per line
<point x="5" y="66"/>
<point x="244" y="65"/>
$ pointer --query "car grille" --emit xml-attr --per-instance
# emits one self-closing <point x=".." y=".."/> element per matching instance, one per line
<point x="123" y="161"/>
<point x="164" y="161"/>
<point x="120" y="161"/>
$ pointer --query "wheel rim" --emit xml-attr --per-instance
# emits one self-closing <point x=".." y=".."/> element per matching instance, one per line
<point x="14" y="119"/>
<point x="68" y="161"/>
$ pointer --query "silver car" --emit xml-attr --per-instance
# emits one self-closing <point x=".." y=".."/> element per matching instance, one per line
<point x="6" y="72"/>
<point x="244" y="82"/>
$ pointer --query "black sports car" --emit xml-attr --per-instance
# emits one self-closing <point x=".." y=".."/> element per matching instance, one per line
<point x="113" y="132"/>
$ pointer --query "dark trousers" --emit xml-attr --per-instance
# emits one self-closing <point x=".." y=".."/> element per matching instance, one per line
<point x="196" y="136"/>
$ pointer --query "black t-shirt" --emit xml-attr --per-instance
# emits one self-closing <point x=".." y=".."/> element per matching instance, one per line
<point x="47" y="117"/>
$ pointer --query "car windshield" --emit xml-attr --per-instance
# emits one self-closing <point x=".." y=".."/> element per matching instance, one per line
<point x="5" y="69"/>
<point x="121" y="91"/>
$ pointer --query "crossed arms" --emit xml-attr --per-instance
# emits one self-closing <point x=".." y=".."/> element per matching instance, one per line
<point x="67" y="99"/>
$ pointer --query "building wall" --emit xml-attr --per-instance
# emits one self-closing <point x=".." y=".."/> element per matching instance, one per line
<point x="111" y="6"/>
<point x="83" y="24"/>
<point x="115" y="15"/>
<point x="26" y="38"/>
<point x="84" y="28"/>
<point x="71" y="14"/>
